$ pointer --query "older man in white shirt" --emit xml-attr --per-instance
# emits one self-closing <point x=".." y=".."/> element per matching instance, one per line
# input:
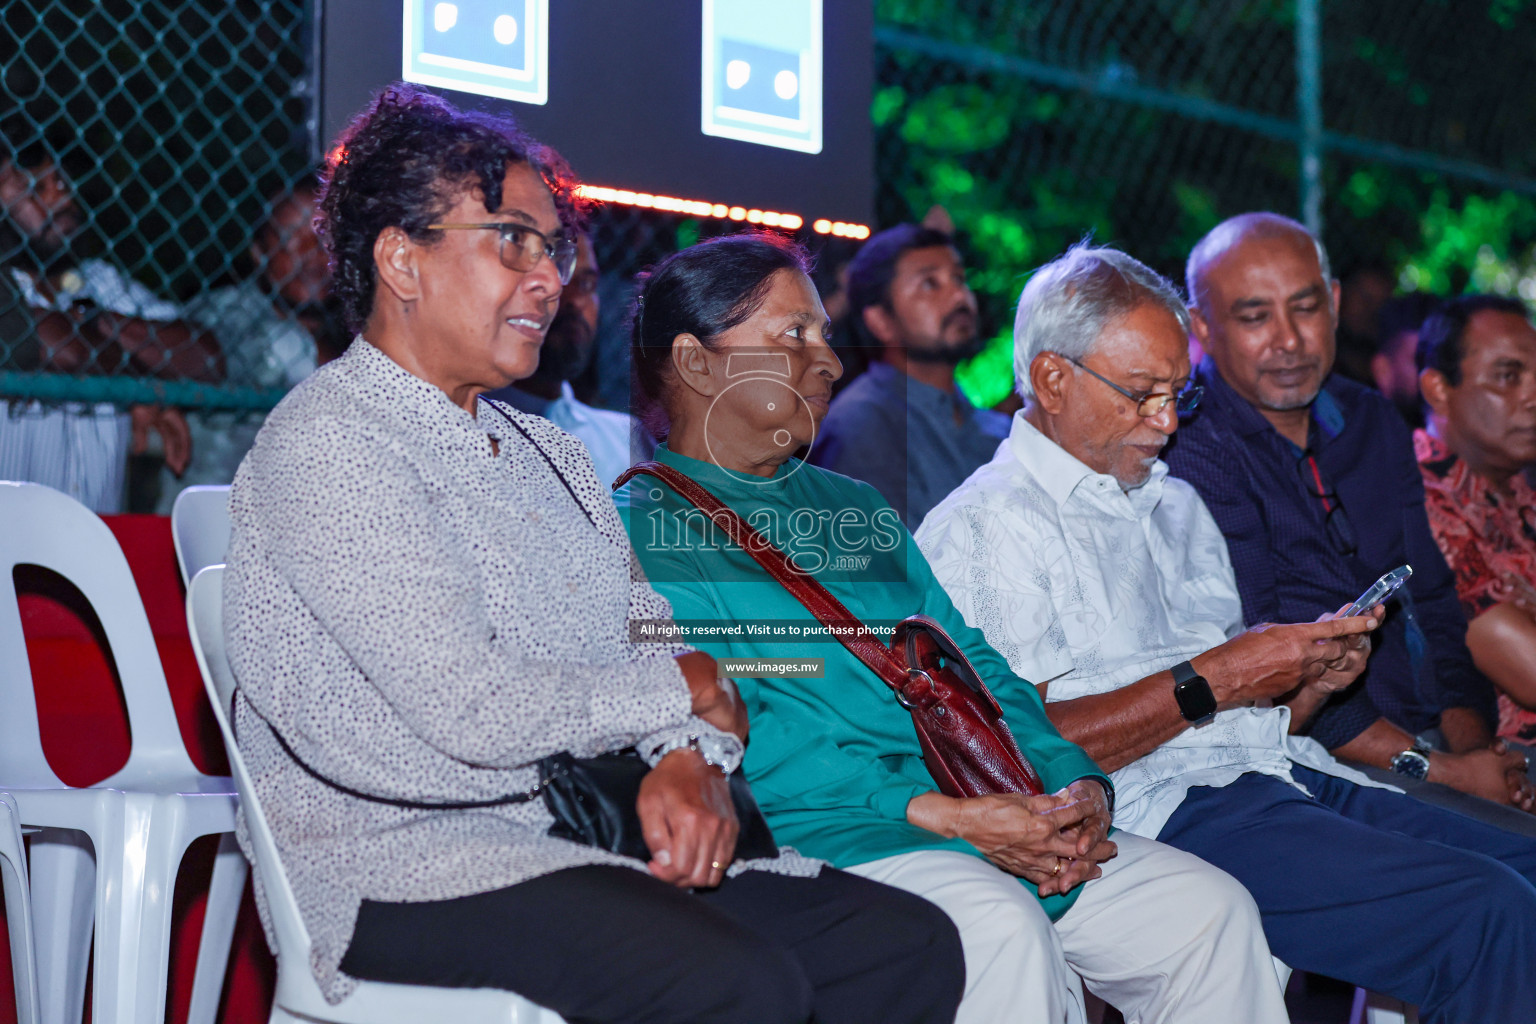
<point x="1108" y="583"/>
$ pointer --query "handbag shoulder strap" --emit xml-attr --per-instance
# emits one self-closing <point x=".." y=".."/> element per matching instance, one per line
<point x="494" y="404"/>
<point x="828" y="610"/>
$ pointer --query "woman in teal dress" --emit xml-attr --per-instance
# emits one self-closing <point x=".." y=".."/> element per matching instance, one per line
<point x="731" y="349"/>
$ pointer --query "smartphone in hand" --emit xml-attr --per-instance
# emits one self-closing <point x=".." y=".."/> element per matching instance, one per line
<point x="1379" y="591"/>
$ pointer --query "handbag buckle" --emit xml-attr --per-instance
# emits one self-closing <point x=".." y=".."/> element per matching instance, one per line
<point x="910" y="696"/>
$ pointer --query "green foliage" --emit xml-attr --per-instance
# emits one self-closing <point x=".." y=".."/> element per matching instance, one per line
<point x="1198" y="206"/>
<point x="1505" y="13"/>
<point x="1364" y="194"/>
<point x="987" y="378"/>
<point x="1031" y="142"/>
<point x="957" y="119"/>
<point x="887" y="104"/>
<point x="1481" y="244"/>
<point x="687" y="233"/>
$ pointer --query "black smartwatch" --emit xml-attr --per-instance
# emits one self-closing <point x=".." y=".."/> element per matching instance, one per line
<point x="1196" y="701"/>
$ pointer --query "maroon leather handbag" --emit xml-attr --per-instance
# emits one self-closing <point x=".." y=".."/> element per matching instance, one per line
<point x="966" y="745"/>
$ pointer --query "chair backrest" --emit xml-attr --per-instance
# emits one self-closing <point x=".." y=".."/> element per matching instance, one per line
<point x="200" y="528"/>
<point x="205" y="620"/>
<point x="41" y="526"/>
<point x="18" y="910"/>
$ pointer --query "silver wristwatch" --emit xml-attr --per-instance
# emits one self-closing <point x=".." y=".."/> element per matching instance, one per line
<point x="722" y="752"/>
<point x="1413" y="762"/>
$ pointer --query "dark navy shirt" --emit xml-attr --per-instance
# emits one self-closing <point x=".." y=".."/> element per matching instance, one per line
<point x="911" y="441"/>
<point x="1272" y="501"/>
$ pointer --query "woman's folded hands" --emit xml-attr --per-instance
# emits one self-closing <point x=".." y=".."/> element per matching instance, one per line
<point x="1055" y="840"/>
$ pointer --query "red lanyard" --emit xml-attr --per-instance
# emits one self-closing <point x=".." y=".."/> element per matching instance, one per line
<point x="1318" y="477"/>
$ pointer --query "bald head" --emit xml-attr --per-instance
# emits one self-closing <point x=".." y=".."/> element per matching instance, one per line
<point x="1264" y="306"/>
<point x="1232" y="232"/>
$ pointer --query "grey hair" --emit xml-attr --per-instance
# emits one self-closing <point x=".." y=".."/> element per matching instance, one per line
<point x="1068" y="302"/>
<point x="1227" y="234"/>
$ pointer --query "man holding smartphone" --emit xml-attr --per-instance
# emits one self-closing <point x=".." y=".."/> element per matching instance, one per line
<point x="1314" y="484"/>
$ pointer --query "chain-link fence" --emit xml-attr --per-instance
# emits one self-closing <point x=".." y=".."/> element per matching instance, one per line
<point x="1146" y="122"/>
<point x="180" y="128"/>
<point x="144" y="146"/>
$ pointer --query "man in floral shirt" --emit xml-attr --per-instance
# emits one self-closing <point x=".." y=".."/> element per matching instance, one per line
<point x="1477" y="361"/>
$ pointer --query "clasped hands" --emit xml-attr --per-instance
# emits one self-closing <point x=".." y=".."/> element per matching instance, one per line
<point x="1056" y="840"/>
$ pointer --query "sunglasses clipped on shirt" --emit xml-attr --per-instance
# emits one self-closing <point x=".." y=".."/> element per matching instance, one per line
<point x="1149" y="403"/>
<point x="521" y="247"/>
<point x="1336" y="525"/>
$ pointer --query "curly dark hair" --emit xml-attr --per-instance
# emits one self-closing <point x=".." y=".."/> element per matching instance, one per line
<point x="704" y="291"/>
<point x="403" y="162"/>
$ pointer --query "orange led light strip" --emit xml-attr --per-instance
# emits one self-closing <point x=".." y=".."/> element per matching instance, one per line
<point x="701" y="208"/>
<point x="840" y="228"/>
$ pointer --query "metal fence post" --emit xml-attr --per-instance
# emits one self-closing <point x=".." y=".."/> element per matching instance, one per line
<point x="1309" y="111"/>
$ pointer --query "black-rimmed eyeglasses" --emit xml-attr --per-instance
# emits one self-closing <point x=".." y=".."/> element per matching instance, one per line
<point x="1149" y="403"/>
<point x="521" y="247"/>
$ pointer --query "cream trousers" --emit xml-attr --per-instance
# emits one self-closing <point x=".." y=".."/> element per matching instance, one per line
<point x="1163" y="936"/>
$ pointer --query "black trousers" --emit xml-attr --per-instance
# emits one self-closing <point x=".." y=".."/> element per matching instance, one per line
<point x="610" y="944"/>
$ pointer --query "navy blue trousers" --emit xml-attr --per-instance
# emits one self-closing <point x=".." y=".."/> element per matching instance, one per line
<point x="1379" y="890"/>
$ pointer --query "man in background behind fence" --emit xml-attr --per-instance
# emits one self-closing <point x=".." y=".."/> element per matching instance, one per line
<point x="88" y="318"/>
<point x="268" y="326"/>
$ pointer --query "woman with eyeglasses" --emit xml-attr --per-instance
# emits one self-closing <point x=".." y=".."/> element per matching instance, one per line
<point x="428" y="593"/>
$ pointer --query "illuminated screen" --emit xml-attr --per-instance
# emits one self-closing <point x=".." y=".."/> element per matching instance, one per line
<point x="721" y="101"/>
<point x="488" y="47"/>
<point x="761" y="79"/>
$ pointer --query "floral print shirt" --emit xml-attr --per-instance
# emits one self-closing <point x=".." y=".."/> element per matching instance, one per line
<point x="1484" y="534"/>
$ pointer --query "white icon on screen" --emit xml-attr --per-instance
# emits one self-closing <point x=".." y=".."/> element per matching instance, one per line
<point x="488" y="47"/>
<point x="762" y="72"/>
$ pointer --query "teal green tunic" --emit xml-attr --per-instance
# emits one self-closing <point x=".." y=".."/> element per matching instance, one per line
<point x="833" y="761"/>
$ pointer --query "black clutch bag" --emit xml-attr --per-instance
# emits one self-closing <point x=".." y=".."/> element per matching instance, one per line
<point x="593" y="801"/>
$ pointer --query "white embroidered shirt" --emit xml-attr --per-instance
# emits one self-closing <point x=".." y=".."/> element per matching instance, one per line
<point x="1088" y="588"/>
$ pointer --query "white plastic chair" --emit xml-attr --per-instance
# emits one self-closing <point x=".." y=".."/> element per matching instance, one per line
<point x="298" y="999"/>
<point x="107" y="855"/>
<point x="18" y="910"/>
<point x="1375" y="1008"/>
<point x="200" y="528"/>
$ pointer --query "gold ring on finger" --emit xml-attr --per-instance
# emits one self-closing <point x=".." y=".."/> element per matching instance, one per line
<point x="715" y="864"/>
<point x="1057" y="869"/>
